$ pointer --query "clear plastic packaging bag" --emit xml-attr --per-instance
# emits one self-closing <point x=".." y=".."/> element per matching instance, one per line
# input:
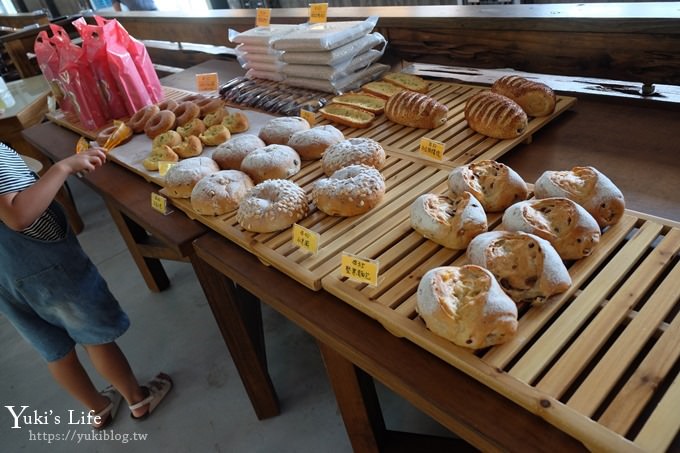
<point x="339" y="54"/>
<point x="333" y="73"/>
<point x="349" y="83"/>
<point x="324" y="36"/>
<point x="261" y="36"/>
<point x="267" y="75"/>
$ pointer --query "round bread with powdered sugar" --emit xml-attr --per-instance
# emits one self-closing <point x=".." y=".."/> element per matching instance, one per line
<point x="312" y="143"/>
<point x="353" y="151"/>
<point x="280" y="130"/>
<point x="349" y="191"/>
<point x="272" y="205"/>
<point x="182" y="177"/>
<point x="220" y="192"/>
<point x="230" y="154"/>
<point x="271" y="162"/>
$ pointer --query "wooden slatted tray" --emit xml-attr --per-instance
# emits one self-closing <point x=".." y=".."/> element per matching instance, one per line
<point x="600" y="361"/>
<point x="463" y="145"/>
<point x="72" y="123"/>
<point x="405" y="179"/>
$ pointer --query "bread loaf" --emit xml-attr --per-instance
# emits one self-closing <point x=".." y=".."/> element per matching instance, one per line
<point x="495" y="116"/>
<point x="347" y="115"/>
<point x="353" y="151"/>
<point x="416" y="110"/>
<point x="588" y="187"/>
<point x="450" y="223"/>
<point x="407" y="81"/>
<point x="466" y="306"/>
<point x="231" y="153"/>
<point x="279" y="130"/>
<point x="535" y="98"/>
<point x="182" y="177"/>
<point x="220" y="192"/>
<point x="312" y="143"/>
<point x="565" y="224"/>
<point x="527" y="267"/>
<point x="271" y="162"/>
<point x="494" y="184"/>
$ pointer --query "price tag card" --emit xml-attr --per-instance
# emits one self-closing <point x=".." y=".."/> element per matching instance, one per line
<point x="164" y="166"/>
<point x="309" y="116"/>
<point x="359" y="269"/>
<point x="318" y="12"/>
<point x="305" y="238"/>
<point x="207" y="82"/>
<point x="432" y="148"/>
<point x="263" y="17"/>
<point x="160" y="203"/>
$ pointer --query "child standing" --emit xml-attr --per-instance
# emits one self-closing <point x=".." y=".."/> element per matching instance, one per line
<point x="55" y="297"/>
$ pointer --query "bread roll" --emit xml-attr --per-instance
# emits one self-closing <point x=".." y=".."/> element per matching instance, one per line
<point x="587" y="187"/>
<point x="495" y="116"/>
<point x="353" y="151"/>
<point x="279" y="130"/>
<point x="220" y="192"/>
<point x="272" y="205"/>
<point x="231" y="153"/>
<point x="527" y="267"/>
<point x="312" y="143"/>
<point x="415" y="110"/>
<point x="466" y="306"/>
<point x="450" y="223"/>
<point x="350" y="191"/>
<point x="271" y="162"/>
<point x="535" y="98"/>
<point x="566" y="225"/>
<point x="494" y="184"/>
<point x="182" y="177"/>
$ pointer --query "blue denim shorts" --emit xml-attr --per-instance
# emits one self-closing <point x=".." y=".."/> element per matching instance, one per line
<point x="54" y="295"/>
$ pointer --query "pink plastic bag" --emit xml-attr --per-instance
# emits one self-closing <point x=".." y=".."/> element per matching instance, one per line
<point x="140" y="56"/>
<point x="47" y="55"/>
<point x="94" y="47"/>
<point x="78" y="82"/>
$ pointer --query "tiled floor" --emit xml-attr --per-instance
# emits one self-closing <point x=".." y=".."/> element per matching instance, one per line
<point x="174" y="332"/>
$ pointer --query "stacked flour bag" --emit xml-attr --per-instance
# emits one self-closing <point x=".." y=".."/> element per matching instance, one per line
<point x="334" y="57"/>
<point x="256" y="54"/>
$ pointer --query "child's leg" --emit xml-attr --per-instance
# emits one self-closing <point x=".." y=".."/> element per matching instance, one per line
<point x="70" y="374"/>
<point x="112" y="364"/>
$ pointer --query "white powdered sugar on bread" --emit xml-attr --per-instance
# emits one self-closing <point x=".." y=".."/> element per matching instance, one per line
<point x="349" y="191"/>
<point x="353" y="151"/>
<point x="280" y="130"/>
<point x="466" y="306"/>
<point x="220" y="192"/>
<point x="272" y="205"/>
<point x="271" y="162"/>
<point x="312" y="143"/>
<point x="231" y="153"/>
<point x="182" y="177"/>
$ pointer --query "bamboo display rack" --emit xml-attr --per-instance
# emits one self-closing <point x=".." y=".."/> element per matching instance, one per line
<point x="599" y="361"/>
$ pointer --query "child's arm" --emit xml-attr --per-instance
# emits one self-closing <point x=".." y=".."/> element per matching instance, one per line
<point x="18" y="210"/>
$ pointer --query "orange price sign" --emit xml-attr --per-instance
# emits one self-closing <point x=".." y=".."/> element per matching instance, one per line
<point x="318" y="12"/>
<point x="263" y="17"/>
<point x="207" y="82"/>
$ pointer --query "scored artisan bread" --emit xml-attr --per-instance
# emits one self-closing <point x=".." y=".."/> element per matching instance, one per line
<point x="494" y="184"/>
<point x="416" y="110"/>
<point x="565" y="224"/>
<point x="407" y="81"/>
<point x="183" y="176"/>
<point x="220" y="192"/>
<point x="527" y="267"/>
<point x="535" y="98"/>
<point x="466" y="306"/>
<point x="347" y="115"/>
<point x="358" y="150"/>
<point x="450" y="223"/>
<point x="365" y="101"/>
<point x="495" y="115"/>
<point x="588" y="187"/>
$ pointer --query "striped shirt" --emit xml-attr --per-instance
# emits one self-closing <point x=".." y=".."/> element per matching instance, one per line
<point x="15" y="176"/>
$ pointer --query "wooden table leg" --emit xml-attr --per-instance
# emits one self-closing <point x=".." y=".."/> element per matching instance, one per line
<point x="239" y="318"/>
<point x="134" y="235"/>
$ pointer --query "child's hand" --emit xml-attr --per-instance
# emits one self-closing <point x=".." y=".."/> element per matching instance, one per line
<point x="87" y="161"/>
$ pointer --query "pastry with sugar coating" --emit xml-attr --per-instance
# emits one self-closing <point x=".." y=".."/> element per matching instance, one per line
<point x="272" y="205"/>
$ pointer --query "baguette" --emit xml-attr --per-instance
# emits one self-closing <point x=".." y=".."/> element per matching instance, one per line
<point x="495" y="115"/>
<point x="347" y="115"/>
<point x="535" y="98"/>
<point x="416" y="110"/>
<point x="365" y="101"/>
<point x="382" y="89"/>
<point x="407" y="81"/>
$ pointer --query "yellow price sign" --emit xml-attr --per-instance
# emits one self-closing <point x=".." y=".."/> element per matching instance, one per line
<point x="164" y="166"/>
<point x="432" y="148"/>
<point x="263" y="17"/>
<point x="305" y="238"/>
<point x="359" y="269"/>
<point x="207" y="82"/>
<point x="318" y="13"/>
<point x="309" y="116"/>
<point x="159" y="203"/>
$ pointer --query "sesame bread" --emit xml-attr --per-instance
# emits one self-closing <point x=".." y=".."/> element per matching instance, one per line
<point x="370" y="102"/>
<point x="382" y="89"/>
<point x="407" y="81"/>
<point x="347" y="115"/>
